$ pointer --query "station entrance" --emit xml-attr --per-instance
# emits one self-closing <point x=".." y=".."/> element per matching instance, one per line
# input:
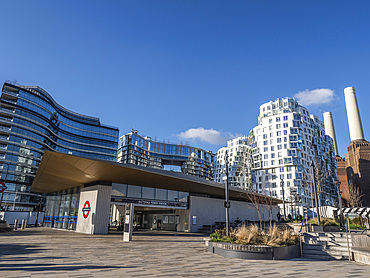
<point x="149" y="218"/>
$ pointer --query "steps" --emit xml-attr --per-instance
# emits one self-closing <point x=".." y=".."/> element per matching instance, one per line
<point x="326" y="246"/>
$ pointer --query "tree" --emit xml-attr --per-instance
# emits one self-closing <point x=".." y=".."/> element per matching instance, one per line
<point x="355" y="196"/>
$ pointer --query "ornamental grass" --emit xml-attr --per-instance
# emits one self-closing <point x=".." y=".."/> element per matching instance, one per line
<point x="253" y="235"/>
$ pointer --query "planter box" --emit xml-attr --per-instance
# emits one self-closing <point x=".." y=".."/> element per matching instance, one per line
<point x="253" y="252"/>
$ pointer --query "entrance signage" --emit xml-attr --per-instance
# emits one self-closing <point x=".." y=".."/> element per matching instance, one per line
<point x="86" y="209"/>
<point x="2" y="187"/>
<point x="149" y="202"/>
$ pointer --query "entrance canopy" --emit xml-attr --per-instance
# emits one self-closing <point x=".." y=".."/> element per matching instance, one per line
<point x="59" y="171"/>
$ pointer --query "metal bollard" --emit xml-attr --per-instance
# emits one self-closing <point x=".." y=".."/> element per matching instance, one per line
<point x="16" y="224"/>
<point x="24" y="224"/>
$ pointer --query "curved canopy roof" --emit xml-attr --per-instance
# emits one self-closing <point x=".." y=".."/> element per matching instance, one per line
<point x="59" y="171"/>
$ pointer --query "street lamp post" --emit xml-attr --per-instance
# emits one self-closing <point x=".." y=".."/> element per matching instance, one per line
<point x="282" y="187"/>
<point x="227" y="202"/>
<point x="315" y="193"/>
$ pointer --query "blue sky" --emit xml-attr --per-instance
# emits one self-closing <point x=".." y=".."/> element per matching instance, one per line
<point x="164" y="67"/>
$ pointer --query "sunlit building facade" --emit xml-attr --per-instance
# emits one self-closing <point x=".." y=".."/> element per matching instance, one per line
<point x="238" y="152"/>
<point x="285" y="143"/>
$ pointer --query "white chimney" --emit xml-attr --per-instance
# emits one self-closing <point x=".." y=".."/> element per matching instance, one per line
<point x="329" y="129"/>
<point x="353" y="114"/>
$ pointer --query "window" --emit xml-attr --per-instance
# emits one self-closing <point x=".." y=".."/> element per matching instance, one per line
<point x="279" y="140"/>
<point x="272" y="155"/>
<point x="272" y="148"/>
<point x="285" y="125"/>
<point x="289" y="176"/>
<point x="278" y="133"/>
<point x="278" y="126"/>
<point x="285" y="118"/>
<point x="279" y="147"/>
<point x="278" y="119"/>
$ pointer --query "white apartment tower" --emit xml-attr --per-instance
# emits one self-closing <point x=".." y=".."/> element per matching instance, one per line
<point x="239" y="153"/>
<point x="284" y="144"/>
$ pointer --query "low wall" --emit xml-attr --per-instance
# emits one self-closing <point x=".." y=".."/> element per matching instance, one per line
<point x="252" y="252"/>
<point x="30" y="216"/>
<point x="207" y="211"/>
<point x="361" y="248"/>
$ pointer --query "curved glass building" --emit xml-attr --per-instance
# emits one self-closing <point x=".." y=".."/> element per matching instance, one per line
<point x="143" y="151"/>
<point x="32" y="122"/>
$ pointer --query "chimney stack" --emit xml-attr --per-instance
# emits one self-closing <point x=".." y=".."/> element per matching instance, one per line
<point x="329" y="130"/>
<point x="353" y="114"/>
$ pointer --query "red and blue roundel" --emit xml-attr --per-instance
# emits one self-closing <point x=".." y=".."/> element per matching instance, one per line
<point x="86" y="209"/>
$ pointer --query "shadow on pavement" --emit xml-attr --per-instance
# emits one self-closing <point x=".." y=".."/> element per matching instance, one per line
<point x="18" y="249"/>
<point x="53" y="267"/>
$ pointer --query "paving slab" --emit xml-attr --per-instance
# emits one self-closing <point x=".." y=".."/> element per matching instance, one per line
<point x="45" y="252"/>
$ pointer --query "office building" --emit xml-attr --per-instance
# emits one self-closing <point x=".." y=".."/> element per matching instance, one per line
<point x="31" y="122"/>
<point x="238" y="151"/>
<point x="143" y="151"/>
<point x="285" y="143"/>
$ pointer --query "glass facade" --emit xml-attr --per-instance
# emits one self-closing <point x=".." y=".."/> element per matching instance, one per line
<point x="62" y="209"/>
<point x="147" y="193"/>
<point x="32" y="122"/>
<point x="143" y="151"/>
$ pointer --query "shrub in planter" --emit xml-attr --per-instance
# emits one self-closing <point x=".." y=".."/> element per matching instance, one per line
<point x="253" y="235"/>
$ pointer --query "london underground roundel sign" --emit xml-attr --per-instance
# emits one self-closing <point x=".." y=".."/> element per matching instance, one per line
<point x="2" y="187"/>
<point x="86" y="209"/>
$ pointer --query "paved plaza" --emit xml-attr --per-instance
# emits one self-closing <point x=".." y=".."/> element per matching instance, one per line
<point x="44" y="252"/>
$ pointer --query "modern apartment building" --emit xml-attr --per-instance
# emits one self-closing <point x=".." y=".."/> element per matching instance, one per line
<point x="285" y="143"/>
<point x="143" y="151"/>
<point x="32" y="122"/>
<point x="238" y="151"/>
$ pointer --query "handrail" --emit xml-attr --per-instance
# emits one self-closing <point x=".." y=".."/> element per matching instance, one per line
<point x="304" y="217"/>
<point x="348" y="229"/>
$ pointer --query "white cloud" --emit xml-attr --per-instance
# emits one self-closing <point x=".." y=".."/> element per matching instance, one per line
<point x="315" y="97"/>
<point x="210" y="136"/>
